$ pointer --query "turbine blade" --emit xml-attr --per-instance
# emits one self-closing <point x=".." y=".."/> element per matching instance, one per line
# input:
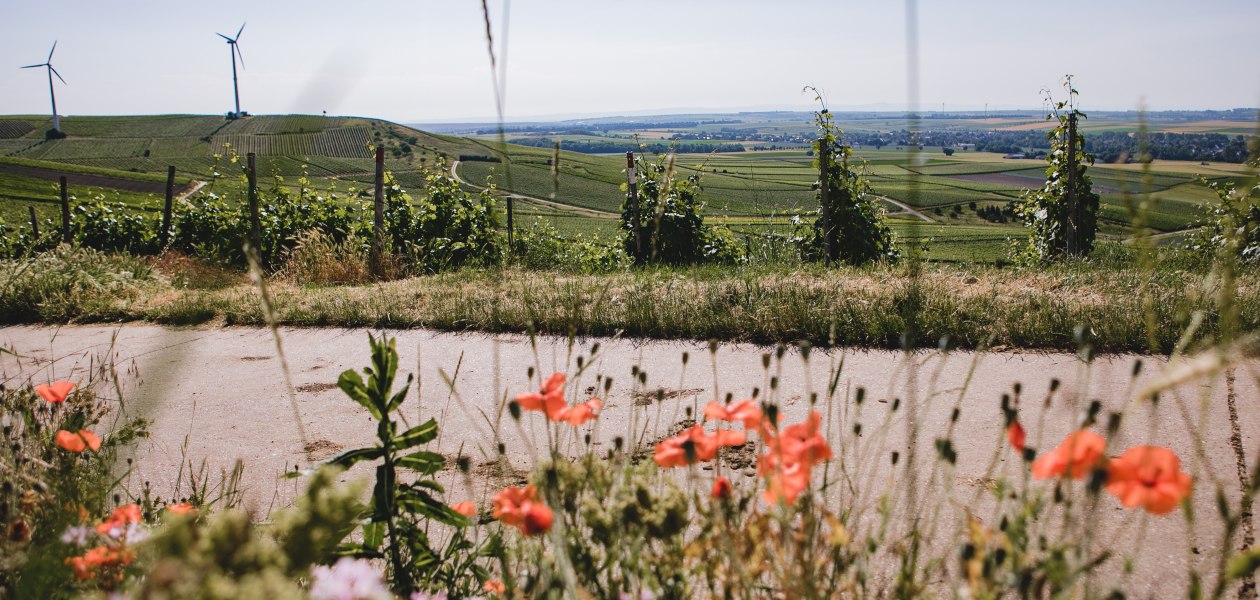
<point x="238" y="53"/>
<point x="230" y="40"/>
<point x="54" y="72"/>
<point x="33" y="66"/>
<point x="238" y="31"/>
<point x="50" y="52"/>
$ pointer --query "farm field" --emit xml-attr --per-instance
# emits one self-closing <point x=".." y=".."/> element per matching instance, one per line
<point x="754" y="192"/>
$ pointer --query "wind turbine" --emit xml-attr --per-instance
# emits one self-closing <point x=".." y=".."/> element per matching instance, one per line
<point x="235" y="51"/>
<point x="56" y="122"/>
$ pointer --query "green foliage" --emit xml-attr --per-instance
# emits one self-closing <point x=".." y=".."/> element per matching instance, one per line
<point x="446" y="228"/>
<point x="541" y="246"/>
<point x="1229" y="230"/>
<point x="1054" y="230"/>
<point x="401" y="513"/>
<point x="112" y="227"/>
<point x="66" y="283"/>
<point x="229" y="556"/>
<point x="623" y="531"/>
<point x="667" y="217"/>
<point x="854" y="225"/>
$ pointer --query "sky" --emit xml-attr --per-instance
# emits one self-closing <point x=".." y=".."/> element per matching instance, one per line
<point x="427" y="61"/>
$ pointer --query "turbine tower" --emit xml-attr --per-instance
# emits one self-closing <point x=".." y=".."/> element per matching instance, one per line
<point x="235" y="51"/>
<point x="56" y="122"/>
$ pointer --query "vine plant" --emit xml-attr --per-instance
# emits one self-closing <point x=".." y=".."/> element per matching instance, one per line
<point x="854" y="227"/>
<point x="1062" y="215"/>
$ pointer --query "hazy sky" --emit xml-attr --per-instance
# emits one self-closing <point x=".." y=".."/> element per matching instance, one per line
<point x="425" y="60"/>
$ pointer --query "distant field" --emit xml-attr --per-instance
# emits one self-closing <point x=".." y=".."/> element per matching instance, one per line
<point x="754" y="192"/>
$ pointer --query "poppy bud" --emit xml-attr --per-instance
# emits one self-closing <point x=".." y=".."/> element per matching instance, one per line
<point x="721" y="488"/>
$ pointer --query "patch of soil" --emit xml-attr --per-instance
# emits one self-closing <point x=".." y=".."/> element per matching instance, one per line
<point x="91" y="180"/>
<point x="499" y="473"/>
<point x="321" y="449"/>
<point x="316" y="387"/>
<point x="648" y="397"/>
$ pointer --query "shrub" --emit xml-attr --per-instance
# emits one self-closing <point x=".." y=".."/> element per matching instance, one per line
<point x="1046" y="212"/>
<point x="540" y="246"/>
<point x="668" y="218"/>
<point x="858" y="233"/>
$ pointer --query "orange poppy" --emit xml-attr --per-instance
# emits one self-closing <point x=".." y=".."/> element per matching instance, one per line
<point x="538" y="518"/>
<point x="791" y="453"/>
<point x="550" y="397"/>
<point x="493" y="586"/>
<point x="1016" y="436"/>
<point x="745" y="412"/>
<point x="580" y="413"/>
<point x="56" y="392"/>
<point x="466" y="508"/>
<point x="694" y="445"/>
<point x="101" y="557"/>
<point x="721" y="488"/>
<point x="520" y="508"/>
<point x="181" y="508"/>
<point x="1074" y="458"/>
<point x="1149" y="477"/>
<point x="77" y="442"/>
<point x="119" y="519"/>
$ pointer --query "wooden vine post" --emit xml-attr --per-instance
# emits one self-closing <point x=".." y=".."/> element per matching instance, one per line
<point x="168" y="206"/>
<point x="378" y="214"/>
<point x="65" y="210"/>
<point x="255" y="221"/>
<point x="824" y="192"/>
<point x="1070" y="227"/>
<point x="632" y="203"/>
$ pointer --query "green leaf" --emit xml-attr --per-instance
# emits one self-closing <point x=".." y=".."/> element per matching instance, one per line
<point x="420" y="503"/>
<point x="423" y="462"/>
<point x="373" y="535"/>
<point x="420" y="434"/>
<point x="398" y="398"/>
<point x="352" y="384"/>
<point x="348" y="458"/>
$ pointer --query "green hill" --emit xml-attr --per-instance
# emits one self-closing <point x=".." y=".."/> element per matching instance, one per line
<point x="106" y="156"/>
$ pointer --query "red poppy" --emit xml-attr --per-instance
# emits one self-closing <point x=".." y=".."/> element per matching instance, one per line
<point x="790" y="454"/>
<point x="119" y="519"/>
<point x="1016" y="436"/>
<point x="466" y="508"/>
<point x="493" y="586"/>
<point x="181" y="508"/>
<point x="520" y="508"/>
<point x="580" y="413"/>
<point x="538" y="518"/>
<point x="694" y="445"/>
<point x="549" y="400"/>
<point x="77" y="442"/>
<point x="1074" y="458"/>
<point x="721" y="488"/>
<point x="101" y="557"/>
<point x="55" y="393"/>
<point x="745" y="411"/>
<point x="1149" y="477"/>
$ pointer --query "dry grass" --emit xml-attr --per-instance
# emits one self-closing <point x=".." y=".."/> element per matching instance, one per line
<point x="868" y="307"/>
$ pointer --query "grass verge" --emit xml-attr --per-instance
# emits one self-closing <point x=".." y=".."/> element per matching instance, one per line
<point x="872" y="307"/>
